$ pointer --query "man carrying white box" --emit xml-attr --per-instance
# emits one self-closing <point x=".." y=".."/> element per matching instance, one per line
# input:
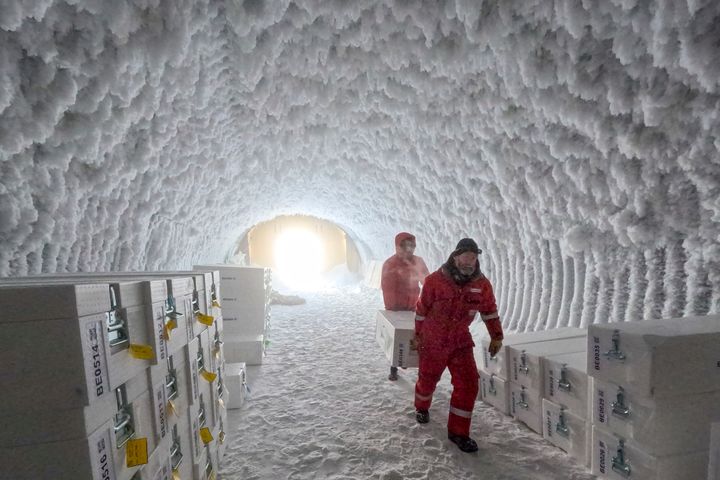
<point x="402" y="275"/>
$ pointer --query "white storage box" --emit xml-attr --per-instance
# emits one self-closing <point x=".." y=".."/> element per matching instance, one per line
<point x="658" y="358"/>
<point x="48" y="302"/>
<point x="567" y="431"/>
<point x="393" y="332"/>
<point x="180" y="449"/>
<point x="239" y="322"/>
<point x="660" y="426"/>
<point x="95" y="457"/>
<point x="174" y="378"/>
<point x="567" y="383"/>
<point x="158" y="466"/>
<point x="247" y="349"/>
<point x="53" y="425"/>
<point x="499" y="366"/>
<point x="236" y="383"/>
<point x="526" y="360"/>
<point x="526" y="406"/>
<point x="191" y="371"/>
<point x="205" y="469"/>
<point x="58" y="364"/>
<point x="495" y="391"/>
<point x="714" y="463"/>
<point x="620" y="459"/>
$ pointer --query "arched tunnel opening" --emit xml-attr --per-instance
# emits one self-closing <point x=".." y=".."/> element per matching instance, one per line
<point x="302" y="251"/>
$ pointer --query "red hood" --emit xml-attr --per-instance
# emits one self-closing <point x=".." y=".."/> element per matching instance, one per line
<point x="399" y="239"/>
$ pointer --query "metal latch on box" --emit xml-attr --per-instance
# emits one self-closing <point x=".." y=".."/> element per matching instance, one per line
<point x="563" y="383"/>
<point x="171" y="385"/>
<point x="195" y="300"/>
<point x="523" y="399"/>
<point x="201" y="412"/>
<point x="615" y="353"/>
<point x="176" y="455"/>
<point x="523" y="363"/>
<point x="116" y="325"/>
<point x="618" y="462"/>
<point x="220" y="383"/>
<point x="561" y="426"/>
<point x="123" y="426"/>
<point x="618" y="406"/>
<point x="217" y="341"/>
<point x="171" y="308"/>
<point x="208" y="465"/>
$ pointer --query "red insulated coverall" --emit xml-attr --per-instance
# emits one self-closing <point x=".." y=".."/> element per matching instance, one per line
<point x="401" y="277"/>
<point x="443" y="316"/>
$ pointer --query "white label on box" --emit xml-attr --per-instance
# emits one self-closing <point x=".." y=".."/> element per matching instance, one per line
<point x="194" y="376"/>
<point x="95" y="360"/>
<point x="196" y="436"/>
<point x="101" y="458"/>
<point x="159" y="332"/>
<point x="160" y="406"/>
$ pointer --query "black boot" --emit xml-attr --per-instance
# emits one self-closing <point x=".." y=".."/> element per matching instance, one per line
<point x="393" y="374"/>
<point x="466" y="444"/>
<point x="422" y="416"/>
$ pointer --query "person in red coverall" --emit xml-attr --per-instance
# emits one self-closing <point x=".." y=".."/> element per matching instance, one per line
<point x="402" y="275"/>
<point x="450" y="299"/>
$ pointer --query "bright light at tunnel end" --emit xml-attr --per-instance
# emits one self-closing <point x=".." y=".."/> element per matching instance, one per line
<point x="299" y="259"/>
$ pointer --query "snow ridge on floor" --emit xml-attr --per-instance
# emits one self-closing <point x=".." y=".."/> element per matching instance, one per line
<point x="321" y="407"/>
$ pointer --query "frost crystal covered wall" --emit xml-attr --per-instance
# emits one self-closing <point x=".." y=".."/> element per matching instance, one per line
<point x="577" y="140"/>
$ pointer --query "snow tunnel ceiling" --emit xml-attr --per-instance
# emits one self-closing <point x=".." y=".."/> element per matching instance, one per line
<point x="577" y="140"/>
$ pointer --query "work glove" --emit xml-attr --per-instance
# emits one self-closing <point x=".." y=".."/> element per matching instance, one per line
<point x="416" y="343"/>
<point x="495" y="346"/>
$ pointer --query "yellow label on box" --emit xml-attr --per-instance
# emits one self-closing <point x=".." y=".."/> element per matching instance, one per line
<point x="136" y="452"/>
<point x="206" y="435"/>
<point x="166" y="332"/>
<point x="212" y="475"/>
<point x="215" y="304"/>
<point x="209" y="376"/>
<point x="172" y="324"/>
<point x="142" y="352"/>
<point x="172" y="408"/>
<point x="176" y="475"/>
<point x="205" y="319"/>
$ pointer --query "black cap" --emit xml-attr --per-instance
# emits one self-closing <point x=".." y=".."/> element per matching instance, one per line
<point x="467" y="245"/>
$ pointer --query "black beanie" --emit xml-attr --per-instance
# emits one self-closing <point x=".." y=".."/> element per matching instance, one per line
<point x="467" y="245"/>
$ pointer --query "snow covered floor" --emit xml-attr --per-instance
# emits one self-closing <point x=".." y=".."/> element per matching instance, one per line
<point x="321" y="407"/>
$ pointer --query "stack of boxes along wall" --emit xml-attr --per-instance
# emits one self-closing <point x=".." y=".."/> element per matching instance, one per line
<point x="245" y="300"/>
<point x="655" y="394"/>
<point x="112" y="376"/>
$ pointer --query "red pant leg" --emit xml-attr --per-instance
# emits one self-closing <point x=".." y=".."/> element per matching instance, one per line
<point x="463" y="369"/>
<point x="432" y="365"/>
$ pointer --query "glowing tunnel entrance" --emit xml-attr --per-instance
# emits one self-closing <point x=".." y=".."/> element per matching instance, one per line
<point x="305" y="253"/>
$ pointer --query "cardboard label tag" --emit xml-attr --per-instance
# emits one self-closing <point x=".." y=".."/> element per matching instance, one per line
<point x="205" y="319"/>
<point x="221" y="402"/>
<point x="221" y="437"/>
<point x="216" y="304"/>
<point x="209" y="376"/>
<point x="212" y="475"/>
<point x="206" y="435"/>
<point x="136" y="452"/>
<point x="172" y="408"/>
<point x="142" y="352"/>
<point x="176" y="475"/>
<point x="169" y="327"/>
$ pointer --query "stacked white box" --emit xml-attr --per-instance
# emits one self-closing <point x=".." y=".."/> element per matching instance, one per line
<point x="566" y="404"/>
<point x="393" y="332"/>
<point x="714" y="463"/>
<point x="245" y="298"/>
<point x="566" y="430"/>
<point x="249" y="349"/>
<point x="526" y="376"/>
<point x="497" y="368"/>
<point x="236" y="383"/>
<point x="72" y="420"/>
<point x="656" y="390"/>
